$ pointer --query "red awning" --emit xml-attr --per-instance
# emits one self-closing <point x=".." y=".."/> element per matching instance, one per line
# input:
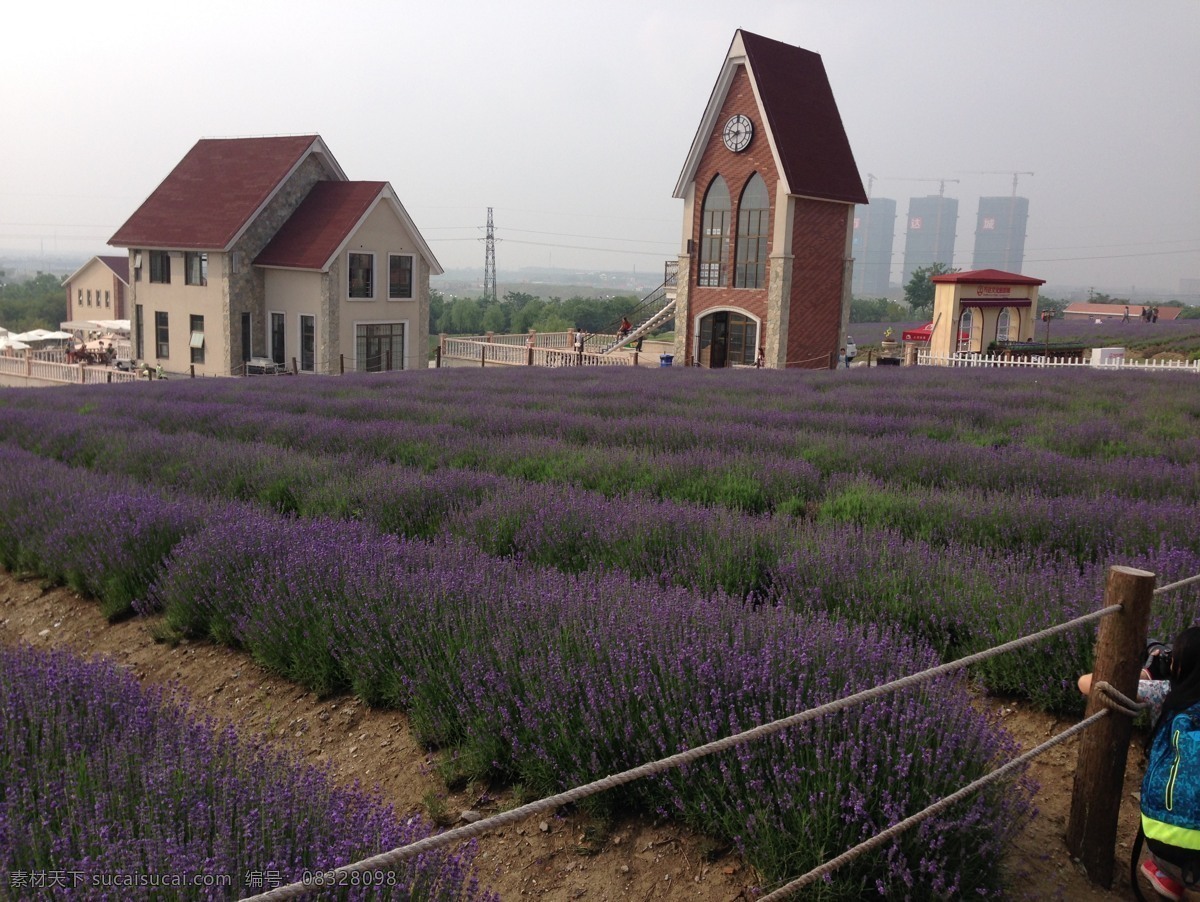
<point x="921" y="334"/>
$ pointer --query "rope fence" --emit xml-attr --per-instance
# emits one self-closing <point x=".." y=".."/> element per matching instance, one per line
<point x="515" y="815"/>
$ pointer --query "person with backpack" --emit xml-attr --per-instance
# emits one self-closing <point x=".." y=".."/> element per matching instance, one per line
<point x="1171" y="787"/>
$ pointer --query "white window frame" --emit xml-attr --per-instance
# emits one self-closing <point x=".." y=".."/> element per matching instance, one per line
<point x="374" y="279"/>
<point x="200" y="258"/>
<point x="300" y="317"/>
<point x="412" y="277"/>
<point x="271" y="334"/>
<point x="384" y="322"/>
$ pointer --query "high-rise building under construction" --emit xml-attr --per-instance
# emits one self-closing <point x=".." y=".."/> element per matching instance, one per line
<point x="929" y="237"/>
<point x="1000" y="233"/>
<point x="874" y="227"/>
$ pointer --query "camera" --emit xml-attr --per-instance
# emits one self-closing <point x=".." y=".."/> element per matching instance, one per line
<point x="1158" y="661"/>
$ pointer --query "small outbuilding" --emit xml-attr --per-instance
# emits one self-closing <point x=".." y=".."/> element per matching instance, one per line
<point x="987" y="305"/>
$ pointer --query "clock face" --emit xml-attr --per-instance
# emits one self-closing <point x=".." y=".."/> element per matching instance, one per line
<point x="737" y="133"/>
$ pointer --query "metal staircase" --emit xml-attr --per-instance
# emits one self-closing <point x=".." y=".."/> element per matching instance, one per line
<point x="660" y="308"/>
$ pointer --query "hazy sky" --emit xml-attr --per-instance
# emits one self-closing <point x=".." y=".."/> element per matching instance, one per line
<point x="573" y="119"/>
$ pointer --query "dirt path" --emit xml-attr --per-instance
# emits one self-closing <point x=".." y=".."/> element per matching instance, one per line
<point x="556" y="857"/>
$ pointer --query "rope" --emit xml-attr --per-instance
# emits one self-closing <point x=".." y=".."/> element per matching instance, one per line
<point x="388" y="859"/>
<point x="1178" y="585"/>
<point x="822" y="357"/>
<point x="1117" y="701"/>
<point x="937" y="807"/>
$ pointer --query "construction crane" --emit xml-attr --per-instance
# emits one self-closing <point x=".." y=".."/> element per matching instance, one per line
<point x="941" y="182"/>
<point x="1015" y="175"/>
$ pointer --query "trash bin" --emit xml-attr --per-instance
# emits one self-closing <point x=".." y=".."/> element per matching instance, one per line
<point x="665" y="359"/>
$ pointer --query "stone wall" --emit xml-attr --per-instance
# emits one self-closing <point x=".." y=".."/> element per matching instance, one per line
<point x="245" y="291"/>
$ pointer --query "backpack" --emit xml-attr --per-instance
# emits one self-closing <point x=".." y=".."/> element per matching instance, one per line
<point x="1170" y="802"/>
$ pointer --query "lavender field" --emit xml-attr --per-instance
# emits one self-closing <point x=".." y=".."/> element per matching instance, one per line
<point x="560" y="575"/>
<point x="109" y="790"/>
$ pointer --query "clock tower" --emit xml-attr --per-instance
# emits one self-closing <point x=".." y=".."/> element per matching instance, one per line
<point x="769" y="189"/>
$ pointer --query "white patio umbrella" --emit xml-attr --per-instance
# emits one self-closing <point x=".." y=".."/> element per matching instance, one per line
<point x="11" y="344"/>
<point x="33" y="335"/>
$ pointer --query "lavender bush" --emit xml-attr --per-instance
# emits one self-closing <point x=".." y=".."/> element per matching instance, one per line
<point x="101" y="779"/>
<point x="551" y="680"/>
<point x="102" y="535"/>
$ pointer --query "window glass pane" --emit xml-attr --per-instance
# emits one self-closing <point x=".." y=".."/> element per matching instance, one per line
<point x="196" y="344"/>
<point x="308" y="343"/>
<point x="714" y="234"/>
<point x="362" y="271"/>
<point x="195" y="268"/>
<point x="162" y="334"/>
<point x="753" y="223"/>
<point x="160" y="267"/>
<point x="400" y="271"/>
<point x="277" y="337"/>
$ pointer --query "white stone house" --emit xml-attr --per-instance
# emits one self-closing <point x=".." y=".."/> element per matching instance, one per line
<point x="262" y="249"/>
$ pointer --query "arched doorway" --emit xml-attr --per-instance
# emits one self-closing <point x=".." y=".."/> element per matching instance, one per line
<point x="727" y="338"/>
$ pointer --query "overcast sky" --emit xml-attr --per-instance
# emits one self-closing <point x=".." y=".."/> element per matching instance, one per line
<point x="573" y="119"/>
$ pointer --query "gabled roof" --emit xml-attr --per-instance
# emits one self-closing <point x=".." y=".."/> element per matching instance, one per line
<point x="216" y="190"/>
<point x="325" y="221"/>
<point x="118" y="265"/>
<point x="809" y="142"/>
<point x="988" y="277"/>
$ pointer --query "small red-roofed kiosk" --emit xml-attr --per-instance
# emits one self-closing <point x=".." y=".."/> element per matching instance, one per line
<point x="986" y="305"/>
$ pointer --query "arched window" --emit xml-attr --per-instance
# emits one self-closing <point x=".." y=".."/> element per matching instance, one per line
<point x="753" y="226"/>
<point x="1002" y="326"/>
<point x="714" y="234"/>
<point x="965" y="323"/>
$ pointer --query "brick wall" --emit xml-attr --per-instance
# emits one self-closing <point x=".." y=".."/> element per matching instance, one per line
<point x="818" y="249"/>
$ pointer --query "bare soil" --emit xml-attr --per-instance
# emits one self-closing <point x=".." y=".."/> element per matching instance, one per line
<point x="567" y="856"/>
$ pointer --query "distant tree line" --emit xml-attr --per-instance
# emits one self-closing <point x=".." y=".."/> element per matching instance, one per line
<point x="519" y="311"/>
<point x="37" y="303"/>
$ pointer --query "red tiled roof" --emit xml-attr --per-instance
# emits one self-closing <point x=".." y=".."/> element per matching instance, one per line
<point x="213" y="192"/>
<point x="119" y="265"/>
<point x="798" y="105"/>
<point x="988" y="277"/>
<point x="315" y="231"/>
<point x="1085" y="309"/>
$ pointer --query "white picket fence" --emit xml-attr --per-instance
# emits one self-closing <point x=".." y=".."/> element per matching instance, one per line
<point x="925" y="358"/>
<point x="68" y="373"/>
<point x="501" y="350"/>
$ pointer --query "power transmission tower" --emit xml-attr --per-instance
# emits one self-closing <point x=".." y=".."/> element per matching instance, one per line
<point x="489" y="261"/>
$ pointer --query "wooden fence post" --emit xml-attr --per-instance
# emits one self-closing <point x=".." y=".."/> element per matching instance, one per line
<point x="1104" y="747"/>
<point x="389" y="360"/>
<point x="341" y="364"/>
<point x="437" y="357"/>
<point x="294" y="370"/>
<point x="192" y="370"/>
